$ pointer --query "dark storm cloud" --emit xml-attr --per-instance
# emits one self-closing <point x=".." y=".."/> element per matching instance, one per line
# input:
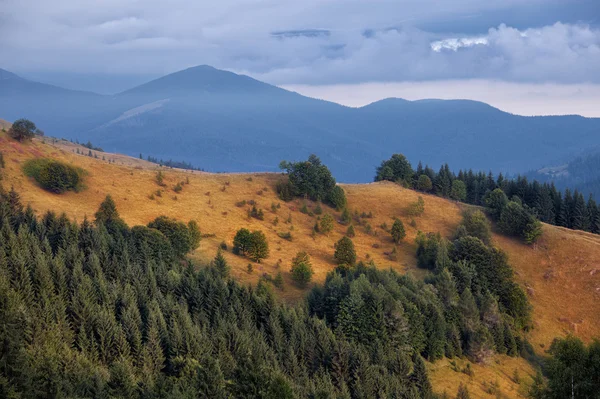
<point x="312" y="41"/>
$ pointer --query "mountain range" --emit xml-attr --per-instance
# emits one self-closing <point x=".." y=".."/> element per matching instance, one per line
<point x="221" y="121"/>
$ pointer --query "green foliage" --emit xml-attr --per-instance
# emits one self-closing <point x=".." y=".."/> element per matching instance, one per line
<point x="458" y="191"/>
<point x="54" y="176"/>
<point x="183" y="238"/>
<point x="432" y="251"/>
<point x="91" y="313"/>
<point x="108" y="216"/>
<point x="398" y="233"/>
<point x="516" y="221"/>
<point x="326" y="224"/>
<point x="337" y="198"/>
<point x="2" y="164"/>
<point x="302" y="270"/>
<point x="424" y="183"/>
<point x="318" y="209"/>
<point x="160" y="178"/>
<point x="396" y="169"/>
<point x="350" y="232"/>
<point x="476" y="225"/>
<point x="286" y="235"/>
<point x="311" y="179"/>
<point x="416" y="208"/>
<point x="22" y="130"/>
<point x="284" y="190"/>
<point x="257" y="213"/>
<point x="495" y="202"/>
<point x="573" y="369"/>
<point x="220" y="264"/>
<point x="278" y="280"/>
<point x="344" y="252"/>
<point x="195" y="234"/>
<point x="463" y="392"/>
<point x="251" y="244"/>
<point x="345" y="217"/>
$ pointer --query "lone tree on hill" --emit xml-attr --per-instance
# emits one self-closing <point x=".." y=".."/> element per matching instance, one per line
<point x="344" y="252"/>
<point x="398" y="232"/>
<point x="23" y="129"/>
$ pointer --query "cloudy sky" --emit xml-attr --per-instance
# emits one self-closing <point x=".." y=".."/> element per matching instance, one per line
<point x="524" y="56"/>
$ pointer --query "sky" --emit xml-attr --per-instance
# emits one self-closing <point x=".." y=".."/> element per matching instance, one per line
<point x="529" y="57"/>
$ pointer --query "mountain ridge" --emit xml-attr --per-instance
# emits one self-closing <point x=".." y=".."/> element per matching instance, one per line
<point x="222" y="121"/>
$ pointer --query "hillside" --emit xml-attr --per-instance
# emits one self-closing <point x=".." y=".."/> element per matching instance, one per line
<point x="564" y="264"/>
<point x="221" y="121"/>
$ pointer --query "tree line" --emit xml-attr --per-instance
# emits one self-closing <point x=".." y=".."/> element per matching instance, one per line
<point x="541" y="200"/>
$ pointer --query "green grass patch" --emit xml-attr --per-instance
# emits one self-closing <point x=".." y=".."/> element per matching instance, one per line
<point x="54" y="176"/>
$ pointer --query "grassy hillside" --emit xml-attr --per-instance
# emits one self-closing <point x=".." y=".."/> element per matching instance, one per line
<point x="561" y="273"/>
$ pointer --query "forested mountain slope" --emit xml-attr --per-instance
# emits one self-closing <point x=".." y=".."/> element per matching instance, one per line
<point x="221" y="121"/>
<point x="563" y="264"/>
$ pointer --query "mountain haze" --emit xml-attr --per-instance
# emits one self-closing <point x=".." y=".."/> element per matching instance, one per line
<point x="221" y="121"/>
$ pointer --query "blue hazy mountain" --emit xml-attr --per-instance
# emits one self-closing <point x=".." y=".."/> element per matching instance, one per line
<point x="221" y="121"/>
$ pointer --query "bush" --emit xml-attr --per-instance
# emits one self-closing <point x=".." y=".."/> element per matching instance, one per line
<point x="345" y="253"/>
<point x="257" y="213"/>
<point x="286" y="236"/>
<point x="302" y="271"/>
<point x="54" y="176"/>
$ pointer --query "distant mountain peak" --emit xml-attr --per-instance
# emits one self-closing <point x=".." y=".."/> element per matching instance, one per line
<point x="202" y="79"/>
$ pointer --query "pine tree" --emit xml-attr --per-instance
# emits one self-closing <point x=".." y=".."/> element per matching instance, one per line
<point x="220" y="264"/>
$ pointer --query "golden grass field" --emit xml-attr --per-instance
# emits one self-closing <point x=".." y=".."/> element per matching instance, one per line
<point x="561" y="274"/>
